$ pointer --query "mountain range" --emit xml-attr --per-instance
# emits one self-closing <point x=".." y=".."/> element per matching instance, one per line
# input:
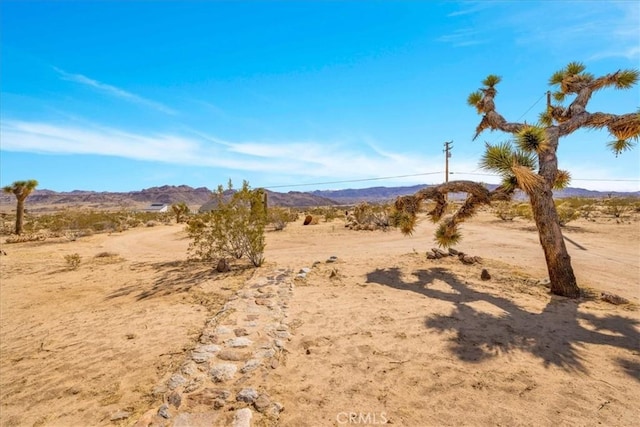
<point x="196" y="197"/>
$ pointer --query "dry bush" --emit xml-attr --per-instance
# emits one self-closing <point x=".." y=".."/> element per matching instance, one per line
<point x="280" y="217"/>
<point x="506" y="211"/>
<point x="73" y="260"/>
<point x="566" y="213"/>
<point x="369" y="217"/>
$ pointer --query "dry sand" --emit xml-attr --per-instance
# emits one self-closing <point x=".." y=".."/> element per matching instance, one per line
<point x="381" y="336"/>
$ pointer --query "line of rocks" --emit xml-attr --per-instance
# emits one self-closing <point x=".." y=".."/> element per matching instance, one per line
<point x="246" y="338"/>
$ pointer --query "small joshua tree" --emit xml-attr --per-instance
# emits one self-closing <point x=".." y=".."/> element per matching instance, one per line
<point x="21" y="189"/>
<point x="180" y="209"/>
<point x="535" y="148"/>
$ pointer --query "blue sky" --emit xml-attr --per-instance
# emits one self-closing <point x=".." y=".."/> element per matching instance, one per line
<point x="120" y="96"/>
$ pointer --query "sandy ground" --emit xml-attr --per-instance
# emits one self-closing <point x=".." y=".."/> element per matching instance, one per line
<point x="382" y="336"/>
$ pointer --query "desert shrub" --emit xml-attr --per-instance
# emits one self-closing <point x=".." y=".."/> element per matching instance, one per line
<point x="73" y="260"/>
<point x="235" y="227"/>
<point x="506" y="211"/>
<point x="329" y="213"/>
<point x="616" y="207"/>
<point x="369" y="217"/>
<point x="523" y="210"/>
<point x="280" y="217"/>
<point x="566" y="213"/>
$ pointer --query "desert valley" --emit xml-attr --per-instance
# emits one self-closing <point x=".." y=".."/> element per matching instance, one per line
<point x="337" y="327"/>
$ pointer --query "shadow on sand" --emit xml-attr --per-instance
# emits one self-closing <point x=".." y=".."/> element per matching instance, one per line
<point x="174" y="277"/>
<point x="554" y="335"/>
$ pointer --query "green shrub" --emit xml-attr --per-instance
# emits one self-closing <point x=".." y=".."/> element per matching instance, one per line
<point x="280" y="217"/>
<point x="235" y="227"/>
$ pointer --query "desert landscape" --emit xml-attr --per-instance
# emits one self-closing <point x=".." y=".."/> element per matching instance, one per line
<point x="337" y="327"/>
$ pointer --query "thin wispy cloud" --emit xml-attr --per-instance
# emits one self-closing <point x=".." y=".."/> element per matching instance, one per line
<point x="471" y="8"/>
<point x="298" y="160"/>
<point x="463" y="37"/>
<point x="600" y="29"/>
<point x="114" y="91"/>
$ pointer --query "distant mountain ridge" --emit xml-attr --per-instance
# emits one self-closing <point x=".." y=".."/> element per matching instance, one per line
<point x="196" y="197"/>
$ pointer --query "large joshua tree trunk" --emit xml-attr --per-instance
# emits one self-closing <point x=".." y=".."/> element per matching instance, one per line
<point x="563" y="281"/>
<point x="561" y="276"/>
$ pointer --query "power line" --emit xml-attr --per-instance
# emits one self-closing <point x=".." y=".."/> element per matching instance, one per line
<point x="352" y="180"/>
<point x="381" y="178"/>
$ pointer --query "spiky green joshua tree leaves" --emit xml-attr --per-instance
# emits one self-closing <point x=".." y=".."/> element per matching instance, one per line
<point x="529" y="162"/>
<point x="406" y="208"/>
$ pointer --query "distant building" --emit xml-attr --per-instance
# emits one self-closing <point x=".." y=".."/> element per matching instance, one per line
<point x="157" y="207"/>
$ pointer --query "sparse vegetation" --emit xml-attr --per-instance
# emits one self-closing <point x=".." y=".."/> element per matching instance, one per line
<point x="73" y="260"/>
<point x="280" y="217"/>
<point x="180" y="210"/>
<point x="366" y="216"/>
<point x="20" y="189"/>
<point x="83" y="222"/>
<point x="234" y="228"/>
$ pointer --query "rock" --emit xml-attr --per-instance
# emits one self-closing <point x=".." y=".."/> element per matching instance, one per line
<point x="485" y="274"/>
<point x="175" y="399"/>
<point x="304" y="270"/>
<point x="193" y="385"/>
<point x="176" y="381"/>
<point x="164" y="411"/>
<point x="223" y="266"/>
<point x="223" y="372"/>
<point x="209" y="396"/>
<point x="265" y="301"/>
<point x="239" y="342"/>
<point x="545" y="282"/>
<point x="232" y="355"/>
<point x="262" y="403"/>
<point x="440" y="253"/>
<point x="242" y="418"/>
<point x="200" y="357"/>
<point x="189" y="368"/>
<point x="223" y="330"/>
<point x="466" y="259"/>
<point x="274" y="363"/>
<point x="307" y="220"/>
<point x="613" y="298"/>
<point x="431" y="255"/>
<point x="332" y="258"/>
<point x="453" y="252"/>
<point x="333" y="274"/>
<point x="266" y="353"/>
<point x="247" y="395"/>
<point x="250" y="365"/>
<point x="120" y="415"/>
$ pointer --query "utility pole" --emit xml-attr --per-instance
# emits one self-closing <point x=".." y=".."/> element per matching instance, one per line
<point x="447" y="154"/>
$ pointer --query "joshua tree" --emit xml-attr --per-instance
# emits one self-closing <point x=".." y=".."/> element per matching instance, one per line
<point x="536" y="147"/>
<point x="180" y="209"/>
<point x="21" y="189"/>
